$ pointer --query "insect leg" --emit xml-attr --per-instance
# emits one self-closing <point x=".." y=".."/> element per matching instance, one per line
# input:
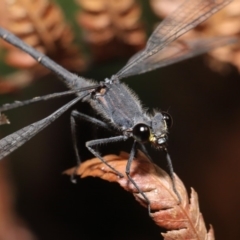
<point x="18" y="138"/>
<point x="171" y="172"/>
<point x="77" y="115"/>
<point x="74" y="139"/>
<point x="92" y="143"/>
<point x="16" y="104"/>
<point x="132" y="154"/>
<point x="144" y="150"/>
<point x="87" y="118"/>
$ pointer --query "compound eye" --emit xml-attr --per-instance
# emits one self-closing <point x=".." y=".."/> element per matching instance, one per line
<point x="141" y="132"/>
<point x="167" y="117"/>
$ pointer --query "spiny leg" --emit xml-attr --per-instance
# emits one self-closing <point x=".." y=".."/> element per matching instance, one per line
<point x="75" y="147"/>
<point x="93" y="120"/>
<point x="77" y="115"/>
<point x="132" y="154"/>
<point x="144" y="150"/>
<point x="171" y="172"/>
<point x="92" y="143"/>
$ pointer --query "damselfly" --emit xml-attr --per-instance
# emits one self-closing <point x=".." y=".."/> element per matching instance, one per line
<point x="120" y="109"/>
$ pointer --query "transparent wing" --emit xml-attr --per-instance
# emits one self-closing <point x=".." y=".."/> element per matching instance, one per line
<point x="186" y="17"/>
<point x="67" y="77"/>
<point x="18" y="138"/>
<point x="178" y="51"/>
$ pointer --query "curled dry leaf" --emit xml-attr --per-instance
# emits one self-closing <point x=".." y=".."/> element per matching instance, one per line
<point x="223" y="23"/>
<point x="183" y="221"/>
<point x="41" y="24"/>
<point x="3" y="119"/>
<point x="112" y="25"/>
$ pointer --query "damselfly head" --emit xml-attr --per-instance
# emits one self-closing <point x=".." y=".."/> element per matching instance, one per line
<point x="156" y="132"/>
<point x="161" y="122"/>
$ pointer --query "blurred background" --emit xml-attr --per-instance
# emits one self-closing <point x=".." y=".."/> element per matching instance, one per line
<point x="95" y="39"/>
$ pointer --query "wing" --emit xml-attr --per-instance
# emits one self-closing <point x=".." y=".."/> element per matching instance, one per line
<point x="186" y="17"/>
<point x="178" y="51"/>
<point x="18" y="138"/>
<point x="67" y="77"/>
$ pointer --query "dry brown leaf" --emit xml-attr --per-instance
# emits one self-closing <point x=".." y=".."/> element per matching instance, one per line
<point x="41" y="24"/>
<point x="113" y="24"/>
<point x="223" y="23"/>
<point x="183" y="221"/>
<point x="3" y="119"/>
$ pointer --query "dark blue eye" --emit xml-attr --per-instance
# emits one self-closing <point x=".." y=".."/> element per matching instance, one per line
<point x="167" y="117"/>
<point x="141" y="132"/>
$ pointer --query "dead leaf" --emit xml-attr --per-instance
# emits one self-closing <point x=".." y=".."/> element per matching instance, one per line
<point x="183" y="221"/>
<point x="3" y="119"/>
<point x="40" y="24"/>
<point x="112" y="28"/>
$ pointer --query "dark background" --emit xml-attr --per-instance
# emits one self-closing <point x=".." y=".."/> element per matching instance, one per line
<point x="204" y="143"/>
